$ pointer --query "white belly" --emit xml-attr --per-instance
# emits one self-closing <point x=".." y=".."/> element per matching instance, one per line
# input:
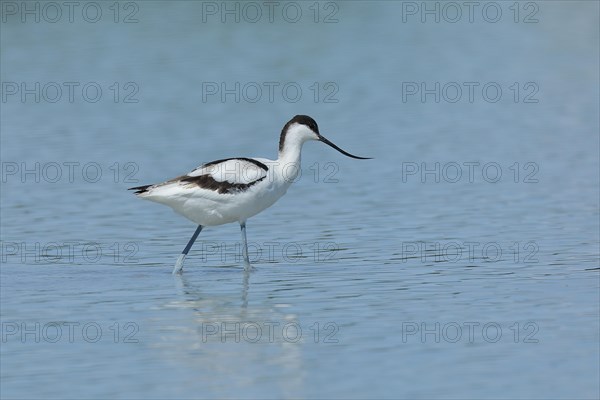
<point x="209" y="208"/>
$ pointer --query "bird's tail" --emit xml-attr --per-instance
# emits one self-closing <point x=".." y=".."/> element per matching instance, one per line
<point x="140" y="189"/>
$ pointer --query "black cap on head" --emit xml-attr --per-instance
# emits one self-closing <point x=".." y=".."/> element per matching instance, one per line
<point x="305" y="120"/>
<point x="298" y="119"/>
<point x="311" y="124"/>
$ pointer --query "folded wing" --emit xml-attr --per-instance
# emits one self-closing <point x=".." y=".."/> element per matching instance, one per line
<point x="226" y="176"/>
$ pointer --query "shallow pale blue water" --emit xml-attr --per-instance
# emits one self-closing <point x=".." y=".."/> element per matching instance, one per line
<point x="422" y="273"/>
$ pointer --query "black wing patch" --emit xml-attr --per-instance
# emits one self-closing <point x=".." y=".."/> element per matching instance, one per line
<point x="250" y="160"/>
<point x="209" y="183"/>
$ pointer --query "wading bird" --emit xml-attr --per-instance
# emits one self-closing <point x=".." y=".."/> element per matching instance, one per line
<point x="235" y="189"/>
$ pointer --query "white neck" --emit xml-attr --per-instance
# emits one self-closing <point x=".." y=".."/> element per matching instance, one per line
<point x="291" y="151"/>
<point x="289" y="157"/>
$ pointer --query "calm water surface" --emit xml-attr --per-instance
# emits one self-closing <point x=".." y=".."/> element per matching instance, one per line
<point x="372" y="279"/>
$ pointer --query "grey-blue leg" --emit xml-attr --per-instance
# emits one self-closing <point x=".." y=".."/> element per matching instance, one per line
<point x="245" y="287"/>
<point x="247" y="265"/>
<point x="179" y="264"/>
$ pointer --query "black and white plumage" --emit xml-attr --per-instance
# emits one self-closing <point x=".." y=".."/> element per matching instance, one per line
<point x="212" y="176"/>
<point x="235" y="189"/>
